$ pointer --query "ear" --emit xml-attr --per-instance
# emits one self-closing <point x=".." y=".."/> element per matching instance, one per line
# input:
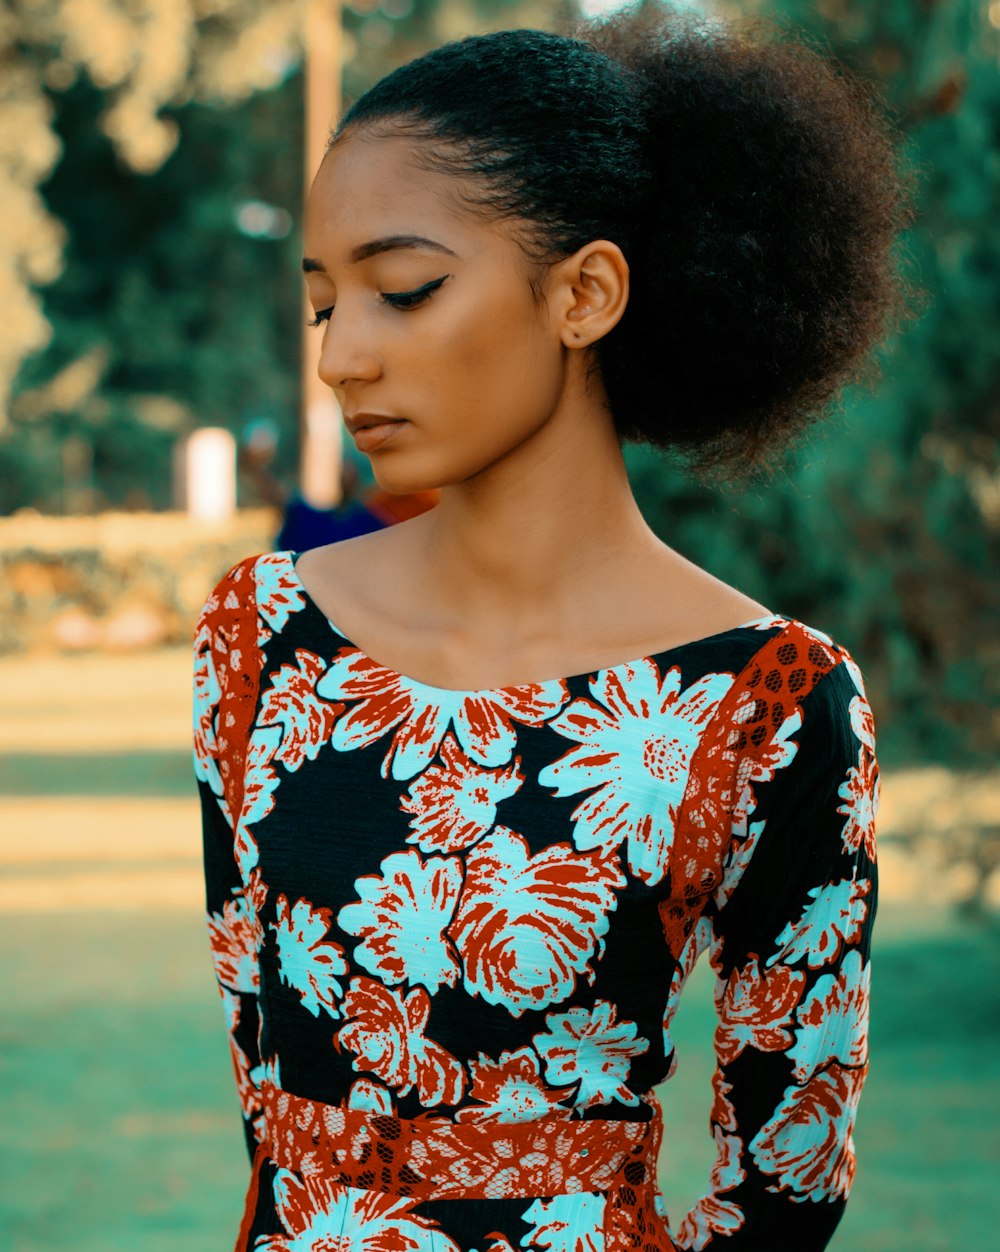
<point x="592" y="287"/>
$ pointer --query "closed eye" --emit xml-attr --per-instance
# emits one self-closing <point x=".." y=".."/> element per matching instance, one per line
<point x="410" y="299"/>
<point x="397" y="299"/>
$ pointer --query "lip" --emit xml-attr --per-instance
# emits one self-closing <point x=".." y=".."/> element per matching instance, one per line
<point x="358" y="421"/>
<point x="368" y="438"/>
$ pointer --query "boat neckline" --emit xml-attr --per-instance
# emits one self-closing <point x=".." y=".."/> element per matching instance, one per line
<point x="564" y="679"/>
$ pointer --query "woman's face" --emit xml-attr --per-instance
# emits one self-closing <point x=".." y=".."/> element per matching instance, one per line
<point x="444" y="334"/>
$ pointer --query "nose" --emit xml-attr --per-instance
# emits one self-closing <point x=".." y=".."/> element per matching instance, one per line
<point x="344" y="358"/>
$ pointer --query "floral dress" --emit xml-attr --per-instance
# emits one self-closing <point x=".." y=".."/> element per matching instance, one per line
<point x="451" y="930"/>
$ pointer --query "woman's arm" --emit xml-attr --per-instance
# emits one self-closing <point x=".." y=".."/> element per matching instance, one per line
<point x="789" y="931"/>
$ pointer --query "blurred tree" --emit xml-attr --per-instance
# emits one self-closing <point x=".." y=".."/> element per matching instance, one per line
<point x="141" y="56"/>
<point x="178" y="303"/>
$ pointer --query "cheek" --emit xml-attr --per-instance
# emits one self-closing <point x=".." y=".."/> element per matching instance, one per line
<point x="498" y="355"/>
<point x="482" y="380"/>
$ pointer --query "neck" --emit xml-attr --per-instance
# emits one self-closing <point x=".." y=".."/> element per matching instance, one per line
<point x="519" y="542"/>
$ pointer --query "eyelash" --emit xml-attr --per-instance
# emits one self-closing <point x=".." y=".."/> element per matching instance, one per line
<point x="403" y="300"/>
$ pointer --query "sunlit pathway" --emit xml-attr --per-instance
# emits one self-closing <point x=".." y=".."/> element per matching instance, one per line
<point x="97" y="804"/>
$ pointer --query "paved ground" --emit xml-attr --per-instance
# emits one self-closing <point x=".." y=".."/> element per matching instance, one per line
<point x="119" y="1127"/>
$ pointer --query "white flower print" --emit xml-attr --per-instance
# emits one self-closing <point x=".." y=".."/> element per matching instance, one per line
<point x="386" y="1033"/>
<point x="455" y="804"/>
<point x="383" y="700"/>
<point x="710" y="1216"/>
<point x="590" y="1048"/>
<point x="723" y="1114"/>
<point x="402" y="915"/>
<point x="510" y="1089"/>
<point x="527" y="926"/>
<point x="566" y="1223"/>
<point x="261" y="782"/>
<point x="309" y="963"/>
<point x="713" y="1214"/>
<point x="319" y="1215"/>
<point x="860" y="792"/>
<point x="857" y="677"/>
<point x="756" y="1009"/>
<point x="833" y="1020"/>
<point x="808" y="1142"/>
<point x="863" y="721"/>
<point x="247" y="1078"/>
<point x="278" y="592"/>
<point x="498" y="1243"/>
<point x="829" y="924"/>
<point x="367" y="1094"/>
<point x="635" y="741"/>
<point x="234" y="953"/>
<point x="206" y="698"/>
<point x="290" y="702"/>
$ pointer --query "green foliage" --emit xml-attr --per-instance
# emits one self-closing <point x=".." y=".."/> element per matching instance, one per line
<point x="159" y="275"/>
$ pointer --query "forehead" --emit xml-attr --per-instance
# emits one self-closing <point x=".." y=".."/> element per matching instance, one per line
<point x="368" y="187"/>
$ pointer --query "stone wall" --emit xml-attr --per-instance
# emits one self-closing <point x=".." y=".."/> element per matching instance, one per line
<point x="115" y="581"/>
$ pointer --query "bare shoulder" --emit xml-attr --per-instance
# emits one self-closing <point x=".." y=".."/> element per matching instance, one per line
<point x="733" y="605"/>
<point x="695" y="600"/>
<point x="344" y="556"/>
<point x="354" y="577"/>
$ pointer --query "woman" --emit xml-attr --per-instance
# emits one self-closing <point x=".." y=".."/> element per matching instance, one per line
<point x="479" y="788"/>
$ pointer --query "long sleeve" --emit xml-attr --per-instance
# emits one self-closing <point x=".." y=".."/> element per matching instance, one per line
<point x="788" y="931"/>
<point x="232" y="925"/>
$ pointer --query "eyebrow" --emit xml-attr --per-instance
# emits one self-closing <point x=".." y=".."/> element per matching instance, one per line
<point x="374" y="246"/>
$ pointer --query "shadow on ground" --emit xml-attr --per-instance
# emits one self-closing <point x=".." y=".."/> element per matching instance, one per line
<point x="153" y="773"/>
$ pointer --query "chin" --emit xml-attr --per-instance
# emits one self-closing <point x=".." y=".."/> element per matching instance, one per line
<point x="402" y="479"/>
<point x="402" y="473"/>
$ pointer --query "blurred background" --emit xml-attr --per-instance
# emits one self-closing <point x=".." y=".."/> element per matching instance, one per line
<point x="155" y="428"/>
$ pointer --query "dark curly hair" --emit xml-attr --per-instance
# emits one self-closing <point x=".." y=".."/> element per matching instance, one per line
<point x="750" y="181"/>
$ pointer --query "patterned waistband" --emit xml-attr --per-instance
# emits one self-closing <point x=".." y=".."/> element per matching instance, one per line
<point x="436" y="1159"/>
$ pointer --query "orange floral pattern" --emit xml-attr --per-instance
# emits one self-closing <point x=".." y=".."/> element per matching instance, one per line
<point x="510" y="1090"/>
<point x="758" y="1009"/>
<point x="386" y="1032"/>
<point x="454" y="804"/>
<point x="291" y="703"/>
<point x="450" y="930"/>
<point x="528" y="926"/>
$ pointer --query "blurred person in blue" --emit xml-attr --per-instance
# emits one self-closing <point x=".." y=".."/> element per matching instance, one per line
<point x="363" y="506"/>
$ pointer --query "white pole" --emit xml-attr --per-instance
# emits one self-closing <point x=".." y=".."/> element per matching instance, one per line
<point x="210" y="474"/>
